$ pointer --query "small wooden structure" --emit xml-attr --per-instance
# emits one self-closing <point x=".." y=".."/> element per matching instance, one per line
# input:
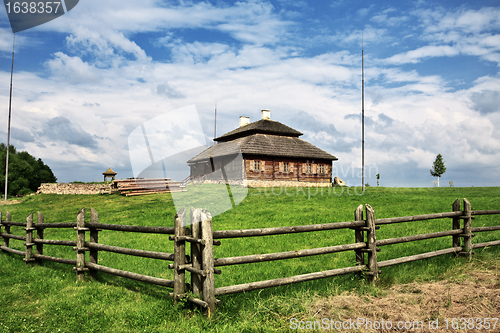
<point x="109" y="173"/>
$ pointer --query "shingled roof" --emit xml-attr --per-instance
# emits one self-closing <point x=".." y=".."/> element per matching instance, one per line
<point x="263" y="126"/>
<point x="109" y="172"/>
<point x="264" y="137"/>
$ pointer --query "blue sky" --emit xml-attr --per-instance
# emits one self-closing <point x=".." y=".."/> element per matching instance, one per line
<point x="85" y="81"/>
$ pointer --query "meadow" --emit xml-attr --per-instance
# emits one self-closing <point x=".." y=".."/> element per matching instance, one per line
<point x="45" y="298"/>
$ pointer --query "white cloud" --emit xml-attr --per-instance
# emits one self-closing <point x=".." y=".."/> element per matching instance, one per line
<point x="104" y="46"/>
<point x="250" y="21"/>
<point x="424" y="52"/>
<point x="6" y="39"/>
<point x="486" y="101"/>
<point x="451" y="33"/>
<point x="72" y="69"/>
<point x="469" y="21"/>
<point x="362" y="12"/>
<point x="106" y="80"/>
<point x="385" y="18"/>
<point x="370" y="34"/>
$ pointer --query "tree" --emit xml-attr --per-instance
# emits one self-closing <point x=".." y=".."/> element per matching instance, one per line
<point x="378" y="178"/>
<point x="438" y="168"/>
<point x="26" y="173"/>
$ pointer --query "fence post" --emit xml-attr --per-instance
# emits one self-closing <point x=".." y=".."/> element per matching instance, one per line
<point x="179" y="255"/>
<point x="371" y="244"/>
<point x="94" y="238"/>
<point x="80" y="245"/>
<point x="196" y="251"/>
<point x="208" y="262"/>
<point x="1" y="225"/>
<point x="359" y="236"/>
<point x="456" y="223"/>
<point x="467" y="235"/>
<point x="7" y="229"/>
<point x="39" y="235"/>
<point x="28" y="258"/>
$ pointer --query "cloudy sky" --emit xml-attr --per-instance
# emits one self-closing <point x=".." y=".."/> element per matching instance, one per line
<point x="85" y="81"/>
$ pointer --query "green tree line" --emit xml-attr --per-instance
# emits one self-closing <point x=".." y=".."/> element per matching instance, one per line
<point x="26" y="173"/>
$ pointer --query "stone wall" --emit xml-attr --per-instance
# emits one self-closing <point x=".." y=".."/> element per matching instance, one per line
<point x="75" y="188"/>
<point x="285" y="183"/>
<point x="71" y="188"/>
<point x="269" y="183"/>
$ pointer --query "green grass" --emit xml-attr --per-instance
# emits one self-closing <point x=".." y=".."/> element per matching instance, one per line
<point x="45" y="297"/>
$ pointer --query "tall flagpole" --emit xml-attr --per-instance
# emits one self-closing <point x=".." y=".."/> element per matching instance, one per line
<point x="215" y="121"/>
<point x="10" y="112"/>
<point x="362" y="112"/>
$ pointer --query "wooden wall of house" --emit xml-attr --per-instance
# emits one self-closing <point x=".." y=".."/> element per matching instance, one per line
<point x="232" y="167"/>
<point x="270" y="169"/>
<point x="199" y="169"/>
<point x="273" y="169"/>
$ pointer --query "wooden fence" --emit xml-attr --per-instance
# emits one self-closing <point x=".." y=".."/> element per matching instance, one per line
<point x="202" y="264"/>
<point x="81" y="265"/>
<point x="202" y="239"/>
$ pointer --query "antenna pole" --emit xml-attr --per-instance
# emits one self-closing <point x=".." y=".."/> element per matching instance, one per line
<point x="215" y="121"/>
<point x="362" y="112"/>
<point x="10" y="112"/>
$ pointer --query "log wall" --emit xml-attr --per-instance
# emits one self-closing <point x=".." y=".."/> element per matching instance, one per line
<point x="299" y="170"/>
<point x="264" y="168"/>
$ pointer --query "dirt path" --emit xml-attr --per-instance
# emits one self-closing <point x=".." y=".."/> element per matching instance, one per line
<point x="10" y="202"/>
<point x="471" y="292"/>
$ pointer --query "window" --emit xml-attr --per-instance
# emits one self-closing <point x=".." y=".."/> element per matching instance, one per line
<point x="321" y="169"/>
<point x="286" y="167"/>
<point x="256" y="165"/>
<point x="308" y="168"/>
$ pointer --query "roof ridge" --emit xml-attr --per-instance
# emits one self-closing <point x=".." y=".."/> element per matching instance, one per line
<point x="263" y="126"/>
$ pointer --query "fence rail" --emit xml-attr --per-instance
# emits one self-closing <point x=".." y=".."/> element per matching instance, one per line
<point x="81" y="265"/>
<point x="287" y="255"/>
<point x="285" y="230"/>
<point x="365" y="244"/>
<point x="54" y="259"/>
<point x="417" y="218"/>
<point x="405" y="239"/>
<point x="416" y="257"/>
<point x="199" y="239"/>
<point x="132" y="252"/>
<point x="132" y="228"/>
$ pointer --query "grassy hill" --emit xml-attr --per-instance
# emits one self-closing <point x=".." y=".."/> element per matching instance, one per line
<point x="45" y="298"/>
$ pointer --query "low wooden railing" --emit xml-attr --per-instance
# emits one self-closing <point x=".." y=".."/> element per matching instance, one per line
<point x="81" y="246"/>
<point x="365" y="243"/>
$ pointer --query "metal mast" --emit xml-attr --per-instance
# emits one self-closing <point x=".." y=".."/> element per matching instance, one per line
<point x="215" y="121"/>
<point x="362" y="112"/>
<point x="10" y="112"/>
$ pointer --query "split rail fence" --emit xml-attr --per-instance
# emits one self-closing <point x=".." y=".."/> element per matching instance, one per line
<point x="202" y="264"/>
<point x="81" y="265"/>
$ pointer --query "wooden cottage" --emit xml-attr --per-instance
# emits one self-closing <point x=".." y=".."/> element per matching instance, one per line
<point x="272" y="155"/>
